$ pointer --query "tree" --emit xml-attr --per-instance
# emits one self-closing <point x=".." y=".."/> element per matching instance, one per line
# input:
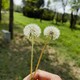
<point x="75" y="5"/>
<point x="40" y="3"/>
<point x="24" y="2"/>
<point x="0" y="9"/>
<point x="56" y="6"/>
<point x="64" y="3"/>
<point x="36" y="3"/>
<point x="5" y="4"/>
<point x="32" y="8"/>
<point x="11" y="18"/>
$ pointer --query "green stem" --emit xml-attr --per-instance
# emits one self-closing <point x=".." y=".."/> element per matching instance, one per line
<point x="32" y="58"/>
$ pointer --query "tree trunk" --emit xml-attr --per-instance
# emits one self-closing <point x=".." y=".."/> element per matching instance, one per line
<point x="73" y="20"/>
<point x="56" y="18"/>
<point x="63" y="15"/>
<point x="0" y="10"/>
<point x="11" y="18"/>
<point x="72" y="24"/>
<point x="75" y="17"/>
<point x="41" y="14"/>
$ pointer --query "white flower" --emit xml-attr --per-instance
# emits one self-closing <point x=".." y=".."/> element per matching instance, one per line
<point x="32" y="30"/>
<point x="52" y="31"/>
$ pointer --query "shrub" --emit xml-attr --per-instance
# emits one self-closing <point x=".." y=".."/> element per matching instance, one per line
<point x="38" y="13"/>
<point x="47" y="14"/>
<point x="58" y="17"/>
<point x="31" y="12"/>
<point x="66" y="17"/>
<point x="78" y="22"/>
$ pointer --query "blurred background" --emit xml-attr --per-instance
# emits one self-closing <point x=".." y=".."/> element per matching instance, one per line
<point x="60" y="57"/>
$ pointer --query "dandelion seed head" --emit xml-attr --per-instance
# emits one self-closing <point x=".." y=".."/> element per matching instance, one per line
<point x="52" y="32"/>
<point x="32" y="30"/>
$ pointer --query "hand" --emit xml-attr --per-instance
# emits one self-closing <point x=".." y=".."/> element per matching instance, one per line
<point x="43" y="75"/>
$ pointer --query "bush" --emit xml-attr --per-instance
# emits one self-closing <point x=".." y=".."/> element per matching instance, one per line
<point x="47" y="14"/>
<point x="58" y="17"/>
<point x="38" y="13"/>
<point x="65" y="18"/>
<point x="78" y="20"/>
<point x="26" y="11"/>
<point x="31" y="12"/>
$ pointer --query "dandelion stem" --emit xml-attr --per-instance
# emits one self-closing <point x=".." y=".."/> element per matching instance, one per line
<point x="40" y="58"/>
<point x="31" y="70"/>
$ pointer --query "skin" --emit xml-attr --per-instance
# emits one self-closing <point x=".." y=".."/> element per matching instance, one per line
<point x="43" y="75"/>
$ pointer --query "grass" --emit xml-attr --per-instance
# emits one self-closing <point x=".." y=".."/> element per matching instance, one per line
<point x="15" y="57"/>
<point x="69" y="40"/>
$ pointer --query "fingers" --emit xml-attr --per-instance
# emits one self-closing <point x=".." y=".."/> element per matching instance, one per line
<point x="35" y="77"/>
<point x="43" y="75"/>
<point x="27" y="78"/>
<point x="40" y="76"/>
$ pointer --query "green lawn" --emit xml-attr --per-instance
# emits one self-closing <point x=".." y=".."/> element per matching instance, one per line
<point x="64" y="59"/>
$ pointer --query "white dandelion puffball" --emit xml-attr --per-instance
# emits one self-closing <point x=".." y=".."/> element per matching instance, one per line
<point x="52" y="31"/>
<point x="32" y="30"/>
